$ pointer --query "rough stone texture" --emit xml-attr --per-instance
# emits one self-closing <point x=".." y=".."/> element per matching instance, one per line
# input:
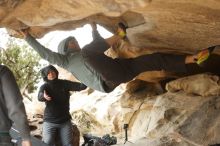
<point x="180" y="26"/>
<point x="180" y="118"/>
<point x="170" y="119"/>
<point x="203" y="84"/>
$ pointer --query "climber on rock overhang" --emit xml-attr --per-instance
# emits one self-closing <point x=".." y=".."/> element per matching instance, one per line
<point x="96" y="70"/>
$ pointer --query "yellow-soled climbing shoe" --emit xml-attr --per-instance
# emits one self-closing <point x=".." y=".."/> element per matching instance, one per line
<point x="122" y="30"/>
<point x="204" y="55"/>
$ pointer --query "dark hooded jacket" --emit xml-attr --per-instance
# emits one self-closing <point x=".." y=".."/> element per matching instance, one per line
<point x="57" y="109"/>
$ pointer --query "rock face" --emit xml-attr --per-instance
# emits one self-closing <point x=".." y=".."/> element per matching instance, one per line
<point x="177" y="119"/>
<point x="154" y="25"/>
<point x="183" y="116"/>
<point x="209" y="87"/>
<point x="186" y="115"/>
<point x="180" y="26"/>
<point x="180" y="117"/>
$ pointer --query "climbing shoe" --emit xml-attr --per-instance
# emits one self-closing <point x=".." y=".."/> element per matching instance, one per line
<point x="204" y="55"/>
<point x="122" y="30"/>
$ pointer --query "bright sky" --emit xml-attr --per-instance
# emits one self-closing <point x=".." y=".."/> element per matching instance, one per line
<point x="52" y="39"/>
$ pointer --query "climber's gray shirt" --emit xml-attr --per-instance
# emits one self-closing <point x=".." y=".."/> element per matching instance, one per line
<point x="75" y="62"/>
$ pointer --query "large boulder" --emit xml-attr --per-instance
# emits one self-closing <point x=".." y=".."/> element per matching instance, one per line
<point x="200" y="84"/>
<point x="177" y="118"/>
<point x="180" y="26"/>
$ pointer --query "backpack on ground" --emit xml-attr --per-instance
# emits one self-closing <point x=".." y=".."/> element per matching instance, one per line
<point x="106" y="140"/>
